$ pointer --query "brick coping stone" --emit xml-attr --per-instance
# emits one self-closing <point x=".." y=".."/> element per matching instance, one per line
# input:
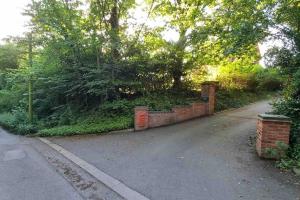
<point x="270" y="117"/>
<point x="158" y="111"/>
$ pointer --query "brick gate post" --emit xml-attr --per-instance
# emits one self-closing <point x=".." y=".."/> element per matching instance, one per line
<point x="141" y="118"/>
<point x="272" y="130"/>
<point x="208" y="91"/>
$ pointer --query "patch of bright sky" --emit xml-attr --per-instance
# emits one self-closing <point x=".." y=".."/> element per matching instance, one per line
<point x="268" y="44"/>
<point x="13" y="23"/>
<point x="139" y="17"/>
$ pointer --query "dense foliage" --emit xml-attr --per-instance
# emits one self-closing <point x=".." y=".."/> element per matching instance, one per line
<point x="91" y="62"/>
<point x="287" y="60"/>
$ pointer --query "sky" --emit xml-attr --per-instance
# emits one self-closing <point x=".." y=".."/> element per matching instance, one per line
<point x="12" y="22"/>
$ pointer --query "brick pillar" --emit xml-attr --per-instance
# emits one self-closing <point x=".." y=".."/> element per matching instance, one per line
<point x="272" y="130"/>
<point x="141" y="118"/>
<point x="208" y="91"/>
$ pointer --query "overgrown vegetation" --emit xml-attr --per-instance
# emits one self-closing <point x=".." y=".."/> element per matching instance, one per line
<point x="86" y="64"/>
<point x="287" y="60"/>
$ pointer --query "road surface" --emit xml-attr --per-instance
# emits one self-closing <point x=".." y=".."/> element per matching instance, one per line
<point x="211" y="158"/>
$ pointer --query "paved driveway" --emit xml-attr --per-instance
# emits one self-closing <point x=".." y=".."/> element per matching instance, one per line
<point x="212" y="158"/>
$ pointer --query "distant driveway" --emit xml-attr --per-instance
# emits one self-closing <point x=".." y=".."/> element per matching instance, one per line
<point x="212" y="158"/>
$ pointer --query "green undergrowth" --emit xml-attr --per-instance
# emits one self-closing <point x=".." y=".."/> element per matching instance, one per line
<point x="116" y="115"/>
<point x="291" y="160"/>
<point x="16" y="122"/>
<point x="112" y="116"/>
<point x="102" y="126"/>
<point x="227" y="99"/>
<point x="290" y="106"/>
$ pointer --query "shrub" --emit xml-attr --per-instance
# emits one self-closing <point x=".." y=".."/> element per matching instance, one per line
<point x="17" y="122"/>
<point x="292" y="159"/>
<point x="270" y="80"/>
<point x="270" y="84"/>
<point x="7" y="100"/>
<point x="237" y="98"/>
<point x="289" y="105"/>
<point x="154" y="102"/>
<point x="251" y="78"/>
<point x="291" y="108"/>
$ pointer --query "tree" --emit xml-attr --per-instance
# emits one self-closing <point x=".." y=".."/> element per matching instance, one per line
<point x="209" y="31"/>
<point x="286" y="21"/>
<point x="10" y="55"/>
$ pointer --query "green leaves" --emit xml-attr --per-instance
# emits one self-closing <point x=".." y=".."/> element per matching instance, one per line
<point x="10" y="55"/>
<point x="91" y="53"/>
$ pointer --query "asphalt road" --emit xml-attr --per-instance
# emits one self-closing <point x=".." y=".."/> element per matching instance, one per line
<point x="25" y="174"/>
<point x="211" y="158"/>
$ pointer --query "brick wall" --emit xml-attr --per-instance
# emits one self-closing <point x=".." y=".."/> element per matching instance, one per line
<point x="183" y="113"/>
<point x="271" y="129"/>
<point x="145" y="119"/>
<point x="161" y="118"/>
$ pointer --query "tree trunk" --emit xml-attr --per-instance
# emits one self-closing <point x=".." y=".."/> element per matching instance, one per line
<point x="115" y="29"/>
<point x="177" y="84"/>
<point x="178" y="68"/>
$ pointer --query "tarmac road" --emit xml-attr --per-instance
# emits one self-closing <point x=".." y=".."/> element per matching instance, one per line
<point x="211" y="158"/>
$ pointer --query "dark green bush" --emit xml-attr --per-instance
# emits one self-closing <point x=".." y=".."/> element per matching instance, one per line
<point x="7" y="100"/>
<point x="271" y="84"/>
<point x="270" y="79"/>
<point x="289" y="105"/>
<point x="291" y="108"/>
<point x="237" y="98"/>
<point x="17" y="122"/>
<point x="154" y="102"/>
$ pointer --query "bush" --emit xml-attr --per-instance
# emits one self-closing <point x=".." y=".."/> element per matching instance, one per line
<point x="7" y="100"/>
<point x="292" y="160"/>
<point x="252" y="78"/>
<point x="289" y="105"/>
<point x="239" y="76"/>
<point x="17" y="122"/>
<point x="291" y="108"/>
<point x="270" y="80"/>
<point x="160" y="102"/>
<point x="236" y="98"/>
<point x="271" y="84"/>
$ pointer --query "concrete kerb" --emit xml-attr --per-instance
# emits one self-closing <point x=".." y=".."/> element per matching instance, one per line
<point x="94" y="134"/>
<point x="112" y="183"/>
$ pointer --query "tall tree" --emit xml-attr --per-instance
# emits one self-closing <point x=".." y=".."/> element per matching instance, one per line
<point x="210" y="29"/>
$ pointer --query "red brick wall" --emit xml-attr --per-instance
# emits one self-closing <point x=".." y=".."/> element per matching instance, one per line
<point x="161" y="118"/>
<point x="199" y="109"/>
<point x="183" y="113"/>
<point x="145" y="119"/>
<point x="269" y="133"/>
